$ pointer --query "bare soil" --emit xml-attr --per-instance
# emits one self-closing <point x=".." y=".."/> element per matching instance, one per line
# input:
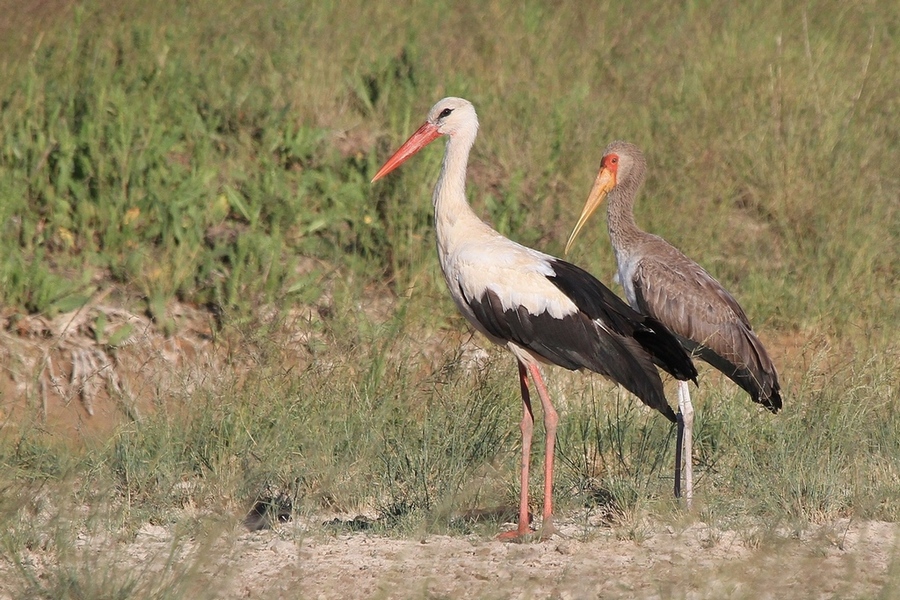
<point x="837" y="560"/>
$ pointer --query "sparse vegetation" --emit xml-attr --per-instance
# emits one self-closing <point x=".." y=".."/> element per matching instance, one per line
<point x="158" y="156"/>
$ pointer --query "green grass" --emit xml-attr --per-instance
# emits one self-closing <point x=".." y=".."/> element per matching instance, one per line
<point x="221" y="157"/>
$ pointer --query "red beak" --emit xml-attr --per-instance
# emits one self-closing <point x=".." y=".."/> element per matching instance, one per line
<point x="423" y="136"/>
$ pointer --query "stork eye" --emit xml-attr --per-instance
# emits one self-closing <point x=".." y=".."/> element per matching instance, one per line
<point x="445" y="113"/>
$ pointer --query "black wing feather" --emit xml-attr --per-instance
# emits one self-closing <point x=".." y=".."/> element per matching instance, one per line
<point x="575" y="342"/>
<point x="599" y="302"/>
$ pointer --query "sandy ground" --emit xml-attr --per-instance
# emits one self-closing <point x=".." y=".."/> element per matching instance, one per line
<point x="839" y="560"/>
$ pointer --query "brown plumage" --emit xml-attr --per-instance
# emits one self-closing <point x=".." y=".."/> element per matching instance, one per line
<point x="679" y="293"/>
<point x="661" y="282"/>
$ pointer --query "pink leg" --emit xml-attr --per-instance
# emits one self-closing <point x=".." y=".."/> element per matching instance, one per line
<point x="527" y="431"/>
<point x="551" y="419"/>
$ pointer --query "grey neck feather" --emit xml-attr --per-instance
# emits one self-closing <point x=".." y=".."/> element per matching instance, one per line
<point x="623" y="230"/>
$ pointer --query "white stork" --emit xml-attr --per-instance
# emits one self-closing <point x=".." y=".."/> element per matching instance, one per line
<point x="663" y="283"/>
<point x="544" y="310"/>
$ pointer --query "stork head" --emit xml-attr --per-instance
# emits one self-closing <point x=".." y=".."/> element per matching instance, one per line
<point x="450" y="116"/>
<point x="453" y="115"/>
<point x="622" y="166"/>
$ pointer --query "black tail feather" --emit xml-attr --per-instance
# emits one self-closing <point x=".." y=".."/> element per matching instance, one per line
<point x="762" y="387"/>
<point x="666" y="350"/>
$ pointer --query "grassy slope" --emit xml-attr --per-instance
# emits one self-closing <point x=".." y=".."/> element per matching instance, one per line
<point x="198" y="154"/>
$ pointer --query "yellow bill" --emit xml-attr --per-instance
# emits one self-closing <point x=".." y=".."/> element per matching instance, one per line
<point x="606" y="181"/>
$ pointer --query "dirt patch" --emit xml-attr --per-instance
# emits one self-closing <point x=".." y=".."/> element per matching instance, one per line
<point x="841" y="559"/>
<point x="82" y="373"/>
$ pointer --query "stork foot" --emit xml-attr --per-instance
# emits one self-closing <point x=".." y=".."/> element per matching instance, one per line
<point x="519" y="533"/>
<point x="516" y="535"/>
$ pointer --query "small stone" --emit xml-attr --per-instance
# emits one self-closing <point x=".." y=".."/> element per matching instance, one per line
<point x="565" y="547"/>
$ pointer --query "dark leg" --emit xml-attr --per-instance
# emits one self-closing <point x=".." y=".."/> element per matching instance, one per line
<point x="679" y="440"/>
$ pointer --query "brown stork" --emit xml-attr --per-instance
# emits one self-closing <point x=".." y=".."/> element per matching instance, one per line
<point x="544" y="310"/>
<point x="662" y="283"/>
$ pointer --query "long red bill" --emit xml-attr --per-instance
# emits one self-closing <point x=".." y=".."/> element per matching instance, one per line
<point x="423" y="136"/>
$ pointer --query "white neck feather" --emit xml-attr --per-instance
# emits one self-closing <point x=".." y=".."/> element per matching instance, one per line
<point x="450" y="203"/>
